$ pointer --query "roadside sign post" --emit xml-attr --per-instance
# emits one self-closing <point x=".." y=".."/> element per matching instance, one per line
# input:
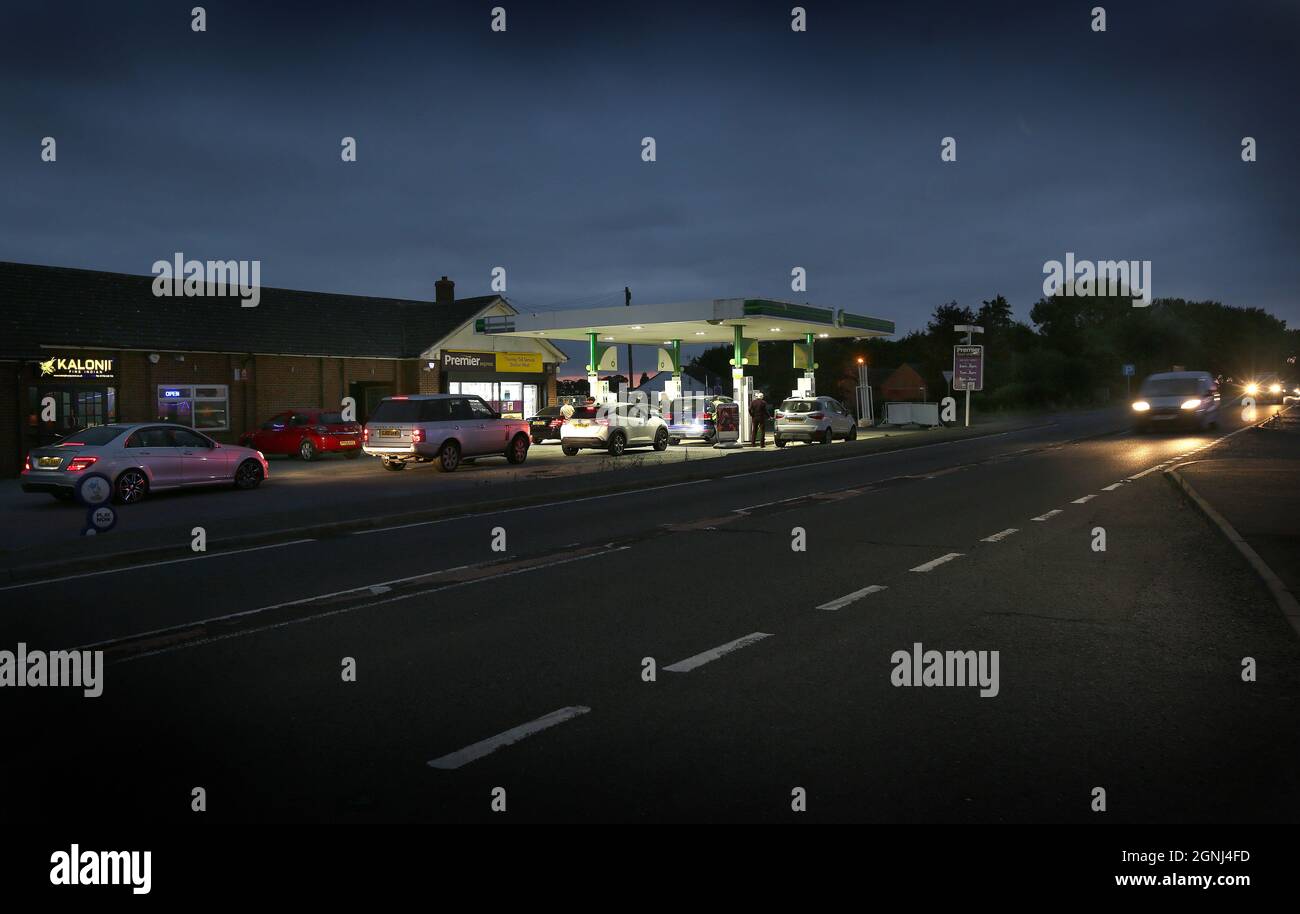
<point x="968" y="365"/>
<point x="1129" y="370"/>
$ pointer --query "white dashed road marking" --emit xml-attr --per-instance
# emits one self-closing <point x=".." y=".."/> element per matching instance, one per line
<point x="935" y="563"/>
<point x="690" y="663"/>
<point x="1049" y="514"/>
<point x="1112" y="487"/>
<point x="513" y="735"/>
<point x="845" y="600"/>
<point x="1000" y="536"/>
<point x="1079" y="501"/>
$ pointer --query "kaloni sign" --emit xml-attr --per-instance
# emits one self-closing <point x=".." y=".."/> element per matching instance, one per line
<point x="77" y="369"/>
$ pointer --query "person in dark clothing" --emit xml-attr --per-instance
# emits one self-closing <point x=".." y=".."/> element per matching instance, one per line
<point x="758" y="415"/>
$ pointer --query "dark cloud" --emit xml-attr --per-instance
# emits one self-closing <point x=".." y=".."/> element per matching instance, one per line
<point x="775" y="149"/>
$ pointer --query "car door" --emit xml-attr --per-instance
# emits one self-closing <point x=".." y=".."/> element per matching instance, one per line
<point x="151" y="448"/>
<point x="464" y="426"/>
<point x="271" y="437"/>
<point x="199" y="461"/>
<point x="490" y="428"/>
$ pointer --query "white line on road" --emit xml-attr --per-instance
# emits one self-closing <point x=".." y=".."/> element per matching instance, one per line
<point x="845" y="600"/>
<point x="1086" y="498"/>
<point x="513" y="735"/>
<point x="367" y="588"/>
<point x="549" y="504"/>
<point x="768" y="504"/>
<point x="690" y="663"/>
<point x="191" y="558"/>
<point x="1158" y="466"/>
<point x="935" y="563"/>
<point x="1112" y="487"/>
<point x="1000" y="536"/>
<point x="1049" y="514"/>
<point x="919" y="447"/>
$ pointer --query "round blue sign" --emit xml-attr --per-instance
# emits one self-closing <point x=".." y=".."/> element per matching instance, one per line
<point x="100" y="519"/>
<point x="94" y="489"/>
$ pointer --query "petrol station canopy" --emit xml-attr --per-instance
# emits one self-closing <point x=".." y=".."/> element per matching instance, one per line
<point x="694" y="322"/>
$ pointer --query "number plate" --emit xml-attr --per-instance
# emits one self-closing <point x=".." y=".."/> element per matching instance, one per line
<point x="390" y="432"/>
<point x="48" y="462"/>
<point x="348" y="442"/>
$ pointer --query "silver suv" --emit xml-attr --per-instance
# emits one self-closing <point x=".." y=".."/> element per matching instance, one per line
<point x="813" y="419"/>
<point x="441" y="428"/>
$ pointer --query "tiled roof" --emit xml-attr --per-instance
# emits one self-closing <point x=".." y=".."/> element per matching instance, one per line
<point x="59" y="306"/>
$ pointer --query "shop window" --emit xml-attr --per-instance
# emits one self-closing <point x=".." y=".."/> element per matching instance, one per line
<point x="203" y="407"/>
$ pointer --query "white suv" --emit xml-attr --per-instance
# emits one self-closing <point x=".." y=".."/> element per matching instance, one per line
<point x="441" y="429"/>
<point x="615" y="428"/>
<point x="813" y="419"/>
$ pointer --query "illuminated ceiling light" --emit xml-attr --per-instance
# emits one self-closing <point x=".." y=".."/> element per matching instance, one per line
<point x="637" y="327"/>
<point x="774" y="329"/>
<point x="822" y="336"/>
<point x="699" y="333"/>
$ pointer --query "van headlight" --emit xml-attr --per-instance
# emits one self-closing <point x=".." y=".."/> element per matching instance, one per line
<point x="1191" y="404"/>
<point x="1252" y="389"/>
<point x="1275" y="388"/>
<point x="1141" y="405"/>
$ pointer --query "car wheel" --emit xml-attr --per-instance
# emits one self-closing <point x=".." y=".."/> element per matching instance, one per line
<point x="131" y="487"/>
<point x="674" y="441"/>
<point x="661" y="440"/>
<point x="394" y="465"/>
<point x="249" y="475"/>
<point x="569" y="451"/>
<point x="779" y="442"/>
<point x="352" y="455"/>
<point x="617" y="444"/>
<point x="307" y="450"/>
<point x="826" y="435"/>
<point x="449" y="457"/>
<point x="518" y="450"/>
<point x="853" y="433"/>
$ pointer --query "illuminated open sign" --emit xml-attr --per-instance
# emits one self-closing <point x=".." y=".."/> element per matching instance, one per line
<point x="171" y="393"/>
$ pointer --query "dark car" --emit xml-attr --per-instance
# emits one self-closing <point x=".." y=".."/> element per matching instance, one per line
<point x="546" y="425"/>
<point x="306" y="433"/>
<point x="694" y="417"/>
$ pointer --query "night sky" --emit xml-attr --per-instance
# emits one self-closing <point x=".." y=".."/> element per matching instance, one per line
<point x="775" y="149"/>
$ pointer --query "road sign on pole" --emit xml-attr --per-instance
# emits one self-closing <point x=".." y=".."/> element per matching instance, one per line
<point x="968" y="371"/>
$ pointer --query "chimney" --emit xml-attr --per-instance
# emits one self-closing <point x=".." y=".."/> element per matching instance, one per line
<point x="444" y="291"/>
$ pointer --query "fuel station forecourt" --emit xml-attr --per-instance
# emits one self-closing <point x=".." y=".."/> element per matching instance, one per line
<point x="741" y="322"/>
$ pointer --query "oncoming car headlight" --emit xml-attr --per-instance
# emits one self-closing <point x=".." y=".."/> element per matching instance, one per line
<point x="1275" y="388"/>
<point x="1191" y="404"/>
<point x="1252" y="389"/>
<point x="1141" y="405"/>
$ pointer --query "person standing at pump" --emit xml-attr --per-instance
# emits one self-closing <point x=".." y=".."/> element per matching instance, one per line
<point x="758" y="414"/>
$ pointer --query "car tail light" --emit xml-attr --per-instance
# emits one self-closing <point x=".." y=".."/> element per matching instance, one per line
<point x="602" y="422"/>
<point x="365" y="434"/>
<point x="556" y="423"/>
<point x="80" y="463"/>
<point x="27" y="462"/>
<point x="417" y="435"/>
<point x="668" y="417"/>
<point x="780" y="415"/>
<point x="816" y="415"/>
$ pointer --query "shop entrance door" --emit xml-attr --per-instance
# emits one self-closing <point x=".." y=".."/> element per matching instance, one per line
<point x="75" y="407"/>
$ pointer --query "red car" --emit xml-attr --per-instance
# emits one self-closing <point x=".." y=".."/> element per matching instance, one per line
<point x="306" y="433"/>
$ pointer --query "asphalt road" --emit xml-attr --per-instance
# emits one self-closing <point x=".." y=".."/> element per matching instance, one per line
<point x="1117" y="669"/>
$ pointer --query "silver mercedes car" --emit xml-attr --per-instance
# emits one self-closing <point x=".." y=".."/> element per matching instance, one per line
<point x="139" y="459"/>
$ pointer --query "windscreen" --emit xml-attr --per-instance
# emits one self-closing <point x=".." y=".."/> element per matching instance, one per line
<point x="396" y="411"/>
<point x="95" y="435"/>
<point x="1170" y="387"/>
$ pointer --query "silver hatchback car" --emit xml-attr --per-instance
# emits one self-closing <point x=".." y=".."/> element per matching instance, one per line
<point x="441" y="429"/>
<point x="139" y="459"/>
<point x="813" y="419"/>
